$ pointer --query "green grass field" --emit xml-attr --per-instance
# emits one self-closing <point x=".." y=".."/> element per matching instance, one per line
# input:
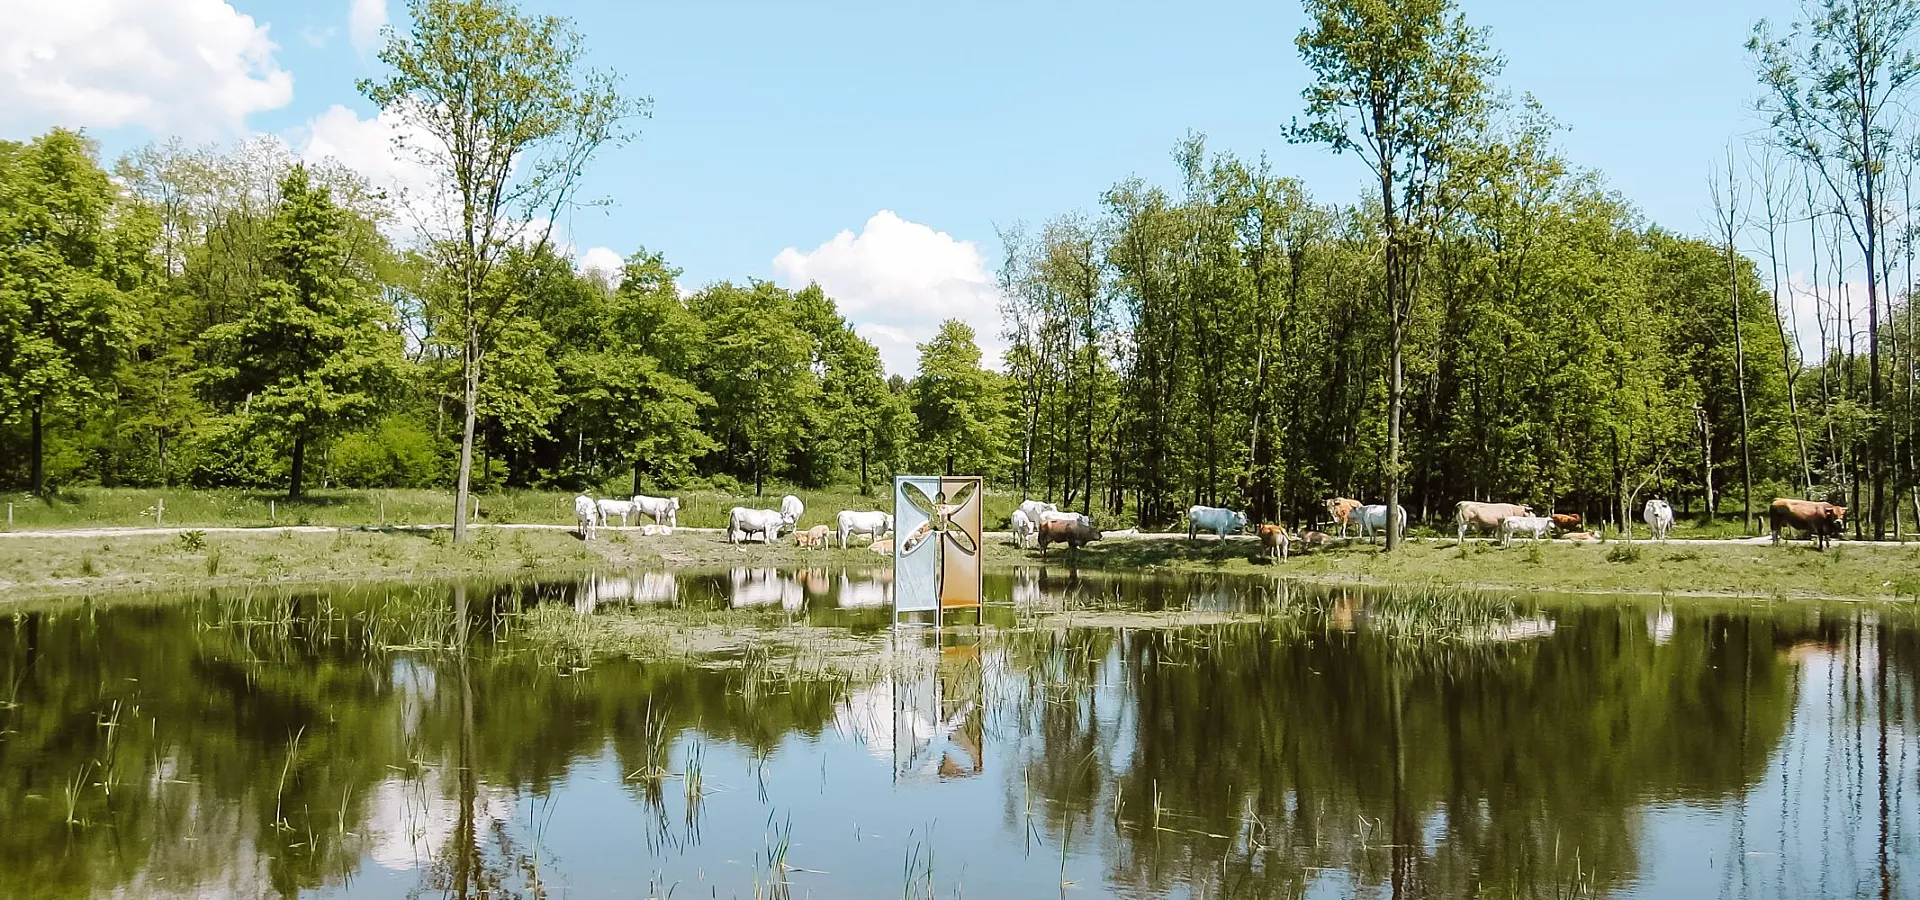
<point x="125" y="507"/>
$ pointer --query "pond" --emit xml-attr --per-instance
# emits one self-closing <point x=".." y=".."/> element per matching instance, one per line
<point x="1091" y="740"/>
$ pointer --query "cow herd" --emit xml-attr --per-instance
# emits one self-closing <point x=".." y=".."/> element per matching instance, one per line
<point x="1042" y="524"/>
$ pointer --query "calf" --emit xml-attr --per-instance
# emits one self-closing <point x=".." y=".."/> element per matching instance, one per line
<point x="587" y="513"/>
<point x="1215" y="519"/>
<point x="1822" y="521"/>
<point x="1073" y="533"/>
<point x="872" y="524"/>
<point x="1566" y="521"/>
<point x="1314" y="540"/>
<point x="1485" y="516"/>
<point x="1274" y="541"/>
<point x="1340" y="510"/>
<point x="1659" y="516"/>
<point x="813" y="537"/>
<point x="1535" y="527"/>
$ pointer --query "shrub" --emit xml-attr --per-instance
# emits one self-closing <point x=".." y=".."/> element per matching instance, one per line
<point x="193" y="541"/>
<point x="398" y="453"/>
<point x="1624" y="553"/>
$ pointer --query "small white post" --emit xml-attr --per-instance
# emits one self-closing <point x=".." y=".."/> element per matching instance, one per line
<point x="383" y="512"/>
<point x="272" y="515"/>
<point x="9" y="515"/>
<point x="160" y="512"/>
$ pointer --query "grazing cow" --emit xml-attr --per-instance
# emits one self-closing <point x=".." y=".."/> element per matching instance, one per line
<point x="1035" y="509"/>
<point x="611" y="508"/>
<point x="764" y="522"/>
<point x="1566" y="521"/>
<point x="1022" y="528"/>
<point x="1485" y="516"/>
<point x="791" y="507"/>
<point x="1314" y="540"/>
<point x="812" y="537"/>
<point x="664" y="510"/>
<point x="1535" y="527"/>
<point x="1341" y="510"/>
<point x="1215" y="519"/>
<point x="1274" y="541"/>
<point x="1659" y="516"/>
<point x="587" y="513"/>
<point x="1072" y="532"/>
<point x="871" y="524"/>
<point x="1054" y="515"/>
<point x="1822" y="521"/>
<point x="1374" y="518"/>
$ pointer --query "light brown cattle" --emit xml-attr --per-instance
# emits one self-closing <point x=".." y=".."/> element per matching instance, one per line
<point x="1315" y="540"/>
<point x="1566" y="521"/>
<point x="812" y="537"/>
<point x="1341" y="510"/>
<point x="1274" y="541"/>
<point x="1485" y="516"/>
<point x="1822" y="521"/>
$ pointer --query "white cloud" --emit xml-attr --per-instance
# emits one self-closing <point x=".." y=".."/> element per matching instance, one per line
<point x="896" y="281"/>
<point x="366" y="146"/>
<point x="194" y="67"/>
<point x="365" y="18"/>
<point x="604" y="261"/>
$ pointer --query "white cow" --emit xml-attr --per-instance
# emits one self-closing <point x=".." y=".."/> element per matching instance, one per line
<point x="1054" y="515"/>
<point x="792" y="508"/>
<point x="587" y="513"/>
<point x="664" y="510"/>
<point x="611" y="508"/>
<point x="1035" y="508"/>
<point x="1659" y="516"/>
<point x="1022" y="526"/>
<point x="1374" y="518"/>
<point x="1215" y="519"/>
<point x="872" y="524"/>
<point x="1535" y="527"/>
<point x="764" y="522"/>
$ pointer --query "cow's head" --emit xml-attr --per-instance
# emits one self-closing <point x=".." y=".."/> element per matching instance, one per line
<point x="1837" y="513"/>
<point x="1239" y="521"/>
<point x="673" y="503"/>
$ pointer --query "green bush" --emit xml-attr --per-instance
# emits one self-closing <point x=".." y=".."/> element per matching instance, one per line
<point x="399" y="453"/>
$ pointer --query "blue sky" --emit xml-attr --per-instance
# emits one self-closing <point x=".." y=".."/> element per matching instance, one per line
<point x="779" y="126"/>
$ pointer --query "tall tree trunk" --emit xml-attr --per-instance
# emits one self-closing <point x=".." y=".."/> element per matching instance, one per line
<point x="36" y="451"/>
<point x="470" y="384"/>
<point x="1740" y="376"/>
<point x="298" y="481"/>
<point x="1705" y="428"/>
<point x="636" y="476"/>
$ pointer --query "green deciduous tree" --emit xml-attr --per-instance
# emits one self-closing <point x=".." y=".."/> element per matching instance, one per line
<point x="510" y="116"/>
<point x="1402" y="83"/>
<point x="960" y="407"/>
<point x="316" y="353"/>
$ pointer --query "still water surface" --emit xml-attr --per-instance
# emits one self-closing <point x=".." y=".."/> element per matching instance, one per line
<point x="398" y="742"/>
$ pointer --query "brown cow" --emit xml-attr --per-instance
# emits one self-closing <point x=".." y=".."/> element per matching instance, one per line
<point x="1566" y="521"/>
<point x="1341" y="510"/>
<point x="1073" y="532"/>
<point x="1314" y="540"/>
<point x="1485" y="516"/>
<point x="1274" y="541"/>
<point x="1820" y="520"/>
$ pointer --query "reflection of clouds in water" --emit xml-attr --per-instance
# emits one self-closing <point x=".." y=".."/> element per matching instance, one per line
<point x="869" y="714"/>
<point x="410" y="820"/>
<point x="1660" y="625"/>
<point x="414" y="683"/>
<point x="865" y="593"/>
<point x="764" y="587"/>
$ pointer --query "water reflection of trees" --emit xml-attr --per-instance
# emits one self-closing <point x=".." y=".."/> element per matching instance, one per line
<point x="251" y="742"/>
<point x="1513" y="770"/>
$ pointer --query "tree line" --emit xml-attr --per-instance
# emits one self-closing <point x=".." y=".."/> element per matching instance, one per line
<point x="1488" y="321"/>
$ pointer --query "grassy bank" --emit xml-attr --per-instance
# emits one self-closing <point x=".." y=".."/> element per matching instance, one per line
<point x="1747" y="570"/>
<point x="66" y="565"/>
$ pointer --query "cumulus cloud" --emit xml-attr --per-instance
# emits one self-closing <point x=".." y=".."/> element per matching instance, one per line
<point x="604" y="261"/>
<point x="193" y="67"/>
<point x="366" y="146"/>
<point x="365" y="18"/>
<point x="896" y="281"/>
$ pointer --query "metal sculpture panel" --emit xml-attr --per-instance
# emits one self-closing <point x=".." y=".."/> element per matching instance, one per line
<point x="937" y="542"/>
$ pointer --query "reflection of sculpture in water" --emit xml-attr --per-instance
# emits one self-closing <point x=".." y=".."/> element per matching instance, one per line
<point x="939" y="722"/>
